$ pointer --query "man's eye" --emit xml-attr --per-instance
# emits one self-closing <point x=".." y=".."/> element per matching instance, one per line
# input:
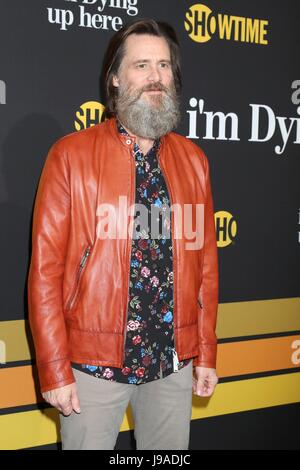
<point x="141" y="66"/>
<point x="164" y="65"/>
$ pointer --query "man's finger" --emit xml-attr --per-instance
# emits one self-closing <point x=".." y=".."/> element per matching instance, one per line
<point x="66" y="407"/>
<point x="67" y="410"/>
<point x="75" y="402"/>
<point x="200" y="386"/>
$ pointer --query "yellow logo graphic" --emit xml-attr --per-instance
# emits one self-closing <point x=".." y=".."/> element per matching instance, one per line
<point x="200" y="24"/>
<point x="88" y="115"/>
<point x="226" y="228"/>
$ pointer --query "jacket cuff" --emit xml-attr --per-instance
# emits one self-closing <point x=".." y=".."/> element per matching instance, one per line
<point x="207" y="356"/>
<point x="55" y="374"/>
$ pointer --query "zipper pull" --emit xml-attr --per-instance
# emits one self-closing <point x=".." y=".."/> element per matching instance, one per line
<point x="86" y="254"/>
<point x="175" y="360"/>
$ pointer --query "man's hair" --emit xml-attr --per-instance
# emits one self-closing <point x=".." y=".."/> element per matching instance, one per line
<point x="116" y="51"/>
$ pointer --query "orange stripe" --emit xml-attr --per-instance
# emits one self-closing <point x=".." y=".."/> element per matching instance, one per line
<point x="238" y="358"/>
<point x="21" y="387"/>
<point x="261" y="355"/>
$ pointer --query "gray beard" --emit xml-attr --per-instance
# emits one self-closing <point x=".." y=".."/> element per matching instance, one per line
<point x="145" y="119"/>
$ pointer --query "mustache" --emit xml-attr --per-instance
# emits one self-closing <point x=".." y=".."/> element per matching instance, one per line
<point x="154" y="87"/>
<point x="129" y="96"/>
<point x="151" y="87"/>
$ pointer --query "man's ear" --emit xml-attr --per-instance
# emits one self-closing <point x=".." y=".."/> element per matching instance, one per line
<point x="115" y="81"/>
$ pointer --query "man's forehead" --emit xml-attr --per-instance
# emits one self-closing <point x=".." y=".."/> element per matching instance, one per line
<point x="145" y="44"/>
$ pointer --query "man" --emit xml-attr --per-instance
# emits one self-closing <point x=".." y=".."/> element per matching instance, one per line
<point x="120" y="316"/>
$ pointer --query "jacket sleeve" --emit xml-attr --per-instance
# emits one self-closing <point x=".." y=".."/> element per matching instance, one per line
<point x="208" y="294"/>
<point x="50" y="230"/>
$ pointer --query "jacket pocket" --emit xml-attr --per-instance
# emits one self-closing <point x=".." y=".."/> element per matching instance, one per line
<point x="80" y="269"/>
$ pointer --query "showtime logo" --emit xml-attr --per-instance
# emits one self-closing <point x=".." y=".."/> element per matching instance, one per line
<point x="201" y="25"/>
<point x="226" y="228"/>
<point x="89" y="114"/>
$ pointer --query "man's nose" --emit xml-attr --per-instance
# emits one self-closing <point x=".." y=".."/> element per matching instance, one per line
<point x="154" y="74"/>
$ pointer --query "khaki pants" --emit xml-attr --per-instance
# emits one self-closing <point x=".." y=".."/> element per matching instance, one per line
<point x="161" y="410"/>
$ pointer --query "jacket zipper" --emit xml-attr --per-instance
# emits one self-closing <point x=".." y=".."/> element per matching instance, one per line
<point x="175" y="357"/>
<point x="78" y="276"/>
<point x="129" y="257"/>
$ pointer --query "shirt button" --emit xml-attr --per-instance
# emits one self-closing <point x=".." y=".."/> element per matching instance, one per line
<point x="128" y="141"/>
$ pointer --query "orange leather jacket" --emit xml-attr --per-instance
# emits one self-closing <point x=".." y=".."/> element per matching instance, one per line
<point x="78" y="283"/>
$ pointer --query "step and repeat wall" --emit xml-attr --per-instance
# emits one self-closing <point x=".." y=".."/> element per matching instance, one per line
<point x="241" y="105"/>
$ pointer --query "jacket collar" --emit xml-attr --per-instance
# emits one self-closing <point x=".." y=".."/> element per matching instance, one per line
<point x="126" y="140"/>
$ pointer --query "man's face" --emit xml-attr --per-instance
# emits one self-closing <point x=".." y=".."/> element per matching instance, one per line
<point x="146" y="67"/>
<point x="147" y="102"/>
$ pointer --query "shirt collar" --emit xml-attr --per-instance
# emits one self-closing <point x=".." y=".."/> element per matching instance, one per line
<point x="123" y="131"/>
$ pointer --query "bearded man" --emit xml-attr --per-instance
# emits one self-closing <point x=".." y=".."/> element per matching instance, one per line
<point x="126" y="315"/>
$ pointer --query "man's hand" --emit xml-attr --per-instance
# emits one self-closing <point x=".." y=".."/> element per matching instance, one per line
<point x="65" y="399"/>
<point x="204" y="381"/>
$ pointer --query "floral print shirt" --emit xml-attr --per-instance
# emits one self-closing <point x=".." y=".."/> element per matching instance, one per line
<point x="149" y="343"/>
